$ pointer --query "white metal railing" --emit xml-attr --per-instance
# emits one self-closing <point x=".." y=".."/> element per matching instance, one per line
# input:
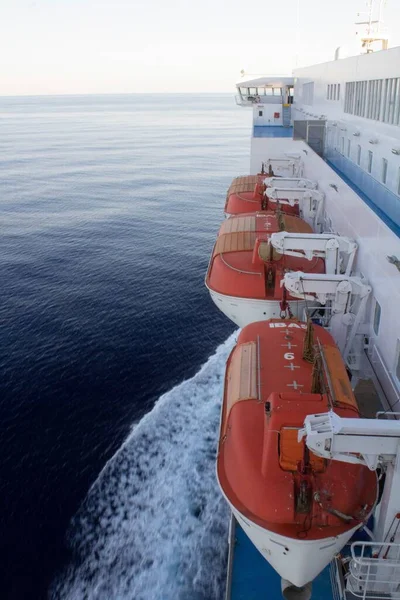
<point x="337" y="582"/>
<point x="374" y="570"/>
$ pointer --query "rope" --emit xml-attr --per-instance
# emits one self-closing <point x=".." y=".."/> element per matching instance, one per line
<point x="308" y="346"/>
<point x="316" y="384"/>
<point x="279" y="218"/>
<point x="247" y="199"/>
<point x="237" y="270"/>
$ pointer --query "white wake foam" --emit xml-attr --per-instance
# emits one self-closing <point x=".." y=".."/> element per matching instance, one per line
<point x="154" y="524"/>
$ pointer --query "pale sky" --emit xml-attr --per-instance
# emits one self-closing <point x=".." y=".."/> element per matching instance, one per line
<point x="117" y="46"/>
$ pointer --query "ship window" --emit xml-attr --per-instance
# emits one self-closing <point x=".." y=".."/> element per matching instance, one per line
<point x="396" y="106"/>
<point x="397" y="371"/>
<point x="370" y="157"/>
<point x="377" y="317"/>
<point x="342" y="145"/>
<point x="384" y="170"/>
<point x="358" y="105"/>
<point x="277" y="91"/>
<point x="338" y="92"/>
<point x="349" y="97"/>
<point x="268" y="91"/>
<point x="348" y="148"/>
<point x="359" y="155"/>
<point x="386" y="100"/>
<point x="260" y="113"/>
<point x="328" y="88"/>
<point x="253" y="91"/>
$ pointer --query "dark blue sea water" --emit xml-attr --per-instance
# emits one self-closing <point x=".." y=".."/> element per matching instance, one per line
<point x="109" y="207"/>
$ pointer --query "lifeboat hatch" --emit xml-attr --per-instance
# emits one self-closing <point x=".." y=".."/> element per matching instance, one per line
<point x="291" y="452"/>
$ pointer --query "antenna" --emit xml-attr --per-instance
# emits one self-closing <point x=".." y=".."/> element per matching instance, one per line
<point x="374" y="31"/>
<point x="296" y="60"/>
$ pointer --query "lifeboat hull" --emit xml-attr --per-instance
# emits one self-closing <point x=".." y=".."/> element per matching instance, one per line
<point x="238" y="205"/>
<point x="298" y="509"/>
<point x="243" y="311"/>
<point x="244" y="274"/>
<point x="246" y="194"/>
<point x="291" y="557"/>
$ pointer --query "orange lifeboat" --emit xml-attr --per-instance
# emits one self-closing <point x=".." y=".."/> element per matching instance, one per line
<point x="247" y="194"/>
<point x="245" y="273"/>
<point x="298" y="509"/>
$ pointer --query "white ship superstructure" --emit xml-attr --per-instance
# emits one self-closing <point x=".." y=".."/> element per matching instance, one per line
<point x="325" y="145"/>
<point x="359" y="98"/>
<point x="349" y="111"/>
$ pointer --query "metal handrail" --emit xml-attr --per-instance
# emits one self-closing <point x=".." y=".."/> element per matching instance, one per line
<point x="374" y="570"/>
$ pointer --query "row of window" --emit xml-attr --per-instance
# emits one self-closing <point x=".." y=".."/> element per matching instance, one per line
<point x="308" y="93"/>
<point x="333" y="91"/>
<point x="377" y="99"/>
<point x="261" y="91"/>
<point x="370" y="158"/>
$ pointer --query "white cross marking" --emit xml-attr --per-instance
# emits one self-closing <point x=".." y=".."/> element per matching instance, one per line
<point x="289" y="345"/>
<point x="295" y="385"/>
<point x="292" y="367"/>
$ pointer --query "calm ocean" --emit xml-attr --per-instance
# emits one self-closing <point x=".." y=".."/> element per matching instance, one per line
<point x="111" y="352"/>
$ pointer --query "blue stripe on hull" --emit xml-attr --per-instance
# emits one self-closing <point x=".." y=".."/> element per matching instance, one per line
<point x="272" y="131"/>
<point x="378" y="197"/>
<point x="254" y="579"/>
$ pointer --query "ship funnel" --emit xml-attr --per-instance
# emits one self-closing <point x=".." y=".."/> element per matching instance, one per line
<point x="292" y="592"/>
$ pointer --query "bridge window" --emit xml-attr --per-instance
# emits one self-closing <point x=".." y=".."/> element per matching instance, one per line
<point x="377" y="317"/>
<point x="348" y="148"/>
<point x="359" y="155"/>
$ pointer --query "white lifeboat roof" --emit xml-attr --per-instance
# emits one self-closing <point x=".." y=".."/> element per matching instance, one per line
<point x="265" y="80"/>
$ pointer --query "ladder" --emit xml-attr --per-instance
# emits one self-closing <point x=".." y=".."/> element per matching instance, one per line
<point x="286" y="115"/>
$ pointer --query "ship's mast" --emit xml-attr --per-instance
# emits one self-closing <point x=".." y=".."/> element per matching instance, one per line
<point x="374" y="31"/>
